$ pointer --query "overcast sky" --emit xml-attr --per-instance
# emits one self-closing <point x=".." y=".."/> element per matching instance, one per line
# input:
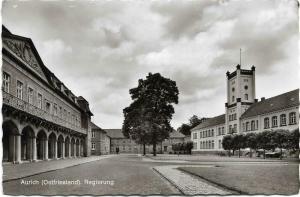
<point x="100" y="49"/>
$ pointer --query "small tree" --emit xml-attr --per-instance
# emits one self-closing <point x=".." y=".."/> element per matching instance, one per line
<point x="227" y="143"/>
<point x="189" y="146"/>
<point x="293" y="140"/>
<point x="264" y="141"/>
<point x="251" y="142"/>
<point x="239" y="142"/>
<point x="280" y="139"/>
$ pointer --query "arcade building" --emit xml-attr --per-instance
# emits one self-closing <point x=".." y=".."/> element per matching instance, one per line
<point x="42" y="118"/>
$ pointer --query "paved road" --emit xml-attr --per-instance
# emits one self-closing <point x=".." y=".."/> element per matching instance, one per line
<point x="129" y="173"/>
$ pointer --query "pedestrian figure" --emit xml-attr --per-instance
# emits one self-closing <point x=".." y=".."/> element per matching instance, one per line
<point x="117" y="150"/>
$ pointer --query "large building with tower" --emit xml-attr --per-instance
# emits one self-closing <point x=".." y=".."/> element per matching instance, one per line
<point x="42" y="118"/>
<point x="244" y="113"/>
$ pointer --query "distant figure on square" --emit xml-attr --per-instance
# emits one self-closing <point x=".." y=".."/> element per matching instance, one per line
<point x="117" y="150"/>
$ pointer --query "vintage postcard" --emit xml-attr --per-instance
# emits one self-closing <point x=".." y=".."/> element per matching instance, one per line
<point x="167" y="98"/>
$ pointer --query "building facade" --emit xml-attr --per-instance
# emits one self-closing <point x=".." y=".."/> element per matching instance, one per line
<point x="244" y="113"/>
<point x="126" y="145"/>
<point x="42" y="118"/>
<point x="100" y="141"/>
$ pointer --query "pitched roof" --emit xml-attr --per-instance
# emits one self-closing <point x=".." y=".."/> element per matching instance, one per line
<point x="117" y="133"/>
<point x="176" y="134"/>
<point x="211" y="122"/>
<point x="96" y="127"/>
<point x="282" y="101"/>
<point x="114" y="133"/>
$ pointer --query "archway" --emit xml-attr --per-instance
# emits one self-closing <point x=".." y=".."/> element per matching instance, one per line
<point x="67" y="146"/>
<point x="52" y="146"/>
<point x="9" y="141"/>
<point x="72" y="147"/>
<point x="41" y="143"/>
<point x="77" y="148"/>
<point x="27" y="145"/>
<point x="60" y="146"/>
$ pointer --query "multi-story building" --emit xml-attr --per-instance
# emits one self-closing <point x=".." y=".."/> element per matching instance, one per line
<point x="126" y="145"/>
<point x="100" y="141"/>
<point x="42" y="118"/>
<point x="244" y="113"/>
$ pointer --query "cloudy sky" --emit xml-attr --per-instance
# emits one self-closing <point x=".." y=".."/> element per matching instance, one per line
<point x="100" y="49"/>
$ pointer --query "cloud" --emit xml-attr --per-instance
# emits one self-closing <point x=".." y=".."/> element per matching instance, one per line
<point x="100" y="49"/>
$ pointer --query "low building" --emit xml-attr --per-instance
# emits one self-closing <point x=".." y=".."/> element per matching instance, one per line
<point x="126" y="145"/>
<point x="100" y="141"/>
<point x="244" y="113"/>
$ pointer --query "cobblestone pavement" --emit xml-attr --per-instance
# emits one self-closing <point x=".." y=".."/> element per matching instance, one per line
<point x="17" y="171"/>
<point x="189" y="184"/>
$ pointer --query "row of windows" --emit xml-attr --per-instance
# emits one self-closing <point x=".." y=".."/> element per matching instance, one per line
<point x="221" y="131"/>
<point x="210" y="144"/>
<point x="246" y="97"/>
<point x="232" y="117"/>
<point x="250" y="126"/>
<point x="283" y="120"/>
<point x="48" y="106"/>
<point x="232" y="129"/>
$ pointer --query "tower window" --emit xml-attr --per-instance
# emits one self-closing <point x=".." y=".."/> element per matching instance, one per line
<point x="246" y="87"/>
<point x="233" y="89"/>
<point x="232" y="98"/>
<point x="246" y="96"/>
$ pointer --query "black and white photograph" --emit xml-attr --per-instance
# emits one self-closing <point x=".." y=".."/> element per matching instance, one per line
<point x="150" y="97"/>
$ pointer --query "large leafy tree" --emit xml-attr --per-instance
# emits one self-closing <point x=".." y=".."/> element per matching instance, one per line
<point x="280" y="139"/>
<point x="147" y="119"/>
<point x="251" y="142"/>
<point x="185" y="129"/>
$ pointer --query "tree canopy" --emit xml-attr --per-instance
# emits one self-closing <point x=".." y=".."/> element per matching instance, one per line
<point x="147" y="119"/>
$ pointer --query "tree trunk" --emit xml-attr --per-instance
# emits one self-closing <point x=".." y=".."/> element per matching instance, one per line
<point x="144" y="149"/>
<point x="250" y="153"/>
<point x="229" y="153"/>
<point x="239" y="152"/>
<point x="154" y="149"/>
<point x="280" y="153"/>
<point x="264" y="154"/>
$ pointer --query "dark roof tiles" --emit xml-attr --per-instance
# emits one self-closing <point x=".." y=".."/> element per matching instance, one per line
<point x="279" y="102"/>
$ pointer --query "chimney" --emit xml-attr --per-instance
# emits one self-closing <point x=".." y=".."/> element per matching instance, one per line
<point x="263" y="98"/>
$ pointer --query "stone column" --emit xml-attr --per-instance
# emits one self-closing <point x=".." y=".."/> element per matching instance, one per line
<point x="69" y="151"/>
<point x="46" y="149"/>
<point x="55" y="149"/>
<point x="34" y="149"/>
<point x="75" y="149"/>
<point x="63" y="150"/>
<point x="17" y="150"/>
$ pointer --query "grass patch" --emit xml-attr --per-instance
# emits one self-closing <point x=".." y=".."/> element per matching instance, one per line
<point x="253" y="178"/>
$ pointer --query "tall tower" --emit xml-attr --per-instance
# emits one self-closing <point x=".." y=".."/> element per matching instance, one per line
<point x="240" y="95"/>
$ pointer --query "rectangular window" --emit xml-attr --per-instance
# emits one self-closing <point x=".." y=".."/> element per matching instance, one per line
<point x="266" y="123"/>
<point x="274" y="121"/>
<point x="47" y="106"/>
<point x="30" y="95"/>
<point x="235" y="128"/>
<point x="19" y="89"/>
<point x="55" y="109"/>
<point x="93" y="145"/>
<point x="39" y="101"/>
<point x="5" y="82"/>
<point x="93" y="134"/>
<point x="223" y="131"/>
<point x="292" y="118"/>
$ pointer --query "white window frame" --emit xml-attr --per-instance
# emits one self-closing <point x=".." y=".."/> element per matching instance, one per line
<point x="93" y="145"/>
<point x="292" y="118"/>
<point x="19" y="89"/>
<point x="30" y="95"/>
<point x="40" y="101"/>
<point x="6" y="82"/>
